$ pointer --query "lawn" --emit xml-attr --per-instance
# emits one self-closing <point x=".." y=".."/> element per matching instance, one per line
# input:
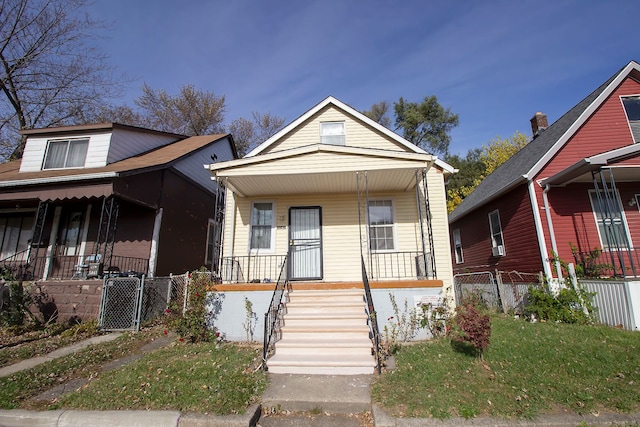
<point x="207" y="377"/>
<point x="528" y="369"/>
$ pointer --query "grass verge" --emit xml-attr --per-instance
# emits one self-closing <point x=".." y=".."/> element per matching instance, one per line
<point x="528" y="369"/>
<point x="19" y="387"/>
<point x="205" y="378"/>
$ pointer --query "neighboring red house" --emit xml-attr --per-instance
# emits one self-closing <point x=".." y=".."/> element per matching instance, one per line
<point x="572" y="190"/>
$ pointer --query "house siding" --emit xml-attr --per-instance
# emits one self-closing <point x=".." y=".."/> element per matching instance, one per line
<point x="518" y="230"/>
<point x="183" y="233"/>
<point x="127" y="143"/>
<point x="357" y="134"/>
<point x="36" y="147"/>
<point x="192" y="166"/>
<point x="605" y="130"/>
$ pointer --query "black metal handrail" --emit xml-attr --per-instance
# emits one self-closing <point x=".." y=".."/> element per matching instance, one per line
<point x="401" y="265"/>
<point x="273" y="314"/>
<point x="373" y="318"/>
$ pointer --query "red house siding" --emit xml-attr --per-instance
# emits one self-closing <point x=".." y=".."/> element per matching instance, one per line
<point x="605" y="130"/>
<point x="520" y="241"/>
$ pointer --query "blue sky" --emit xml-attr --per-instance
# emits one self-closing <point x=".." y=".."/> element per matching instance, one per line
<point x="495" y="63"/>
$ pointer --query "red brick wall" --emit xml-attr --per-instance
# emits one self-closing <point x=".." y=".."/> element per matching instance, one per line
<point x="74" y="298"/>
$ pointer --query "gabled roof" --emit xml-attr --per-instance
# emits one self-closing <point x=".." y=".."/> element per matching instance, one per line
<point x="161" y="157"/>
<point x="532" y="158"/>
<point x="330" y="100"/>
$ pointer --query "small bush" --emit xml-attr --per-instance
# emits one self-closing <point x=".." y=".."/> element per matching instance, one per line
<point x="472" y="326"/>
<point x="196" y="323"/>
<point x="568" y="306"/>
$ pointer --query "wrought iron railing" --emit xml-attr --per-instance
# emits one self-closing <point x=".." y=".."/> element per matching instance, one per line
<point x="251" y="268"/>
<point x="610" y="263"/>
<point x="274" y="314"/>
<point x="400" y="265"/>
<point x="373" y="318"/>
<point x="63" y="267"/>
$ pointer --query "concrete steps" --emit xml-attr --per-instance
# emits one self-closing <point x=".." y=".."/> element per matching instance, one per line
<point x="325" y="332"/>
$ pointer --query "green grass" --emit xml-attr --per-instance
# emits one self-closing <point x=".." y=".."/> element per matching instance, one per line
<point x="19" y="387"/>
<point x="205" y="377"/>
<point x="528" y="369"/>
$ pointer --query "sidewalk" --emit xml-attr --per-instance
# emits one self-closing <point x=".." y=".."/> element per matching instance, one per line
<point x="289" y="400"/>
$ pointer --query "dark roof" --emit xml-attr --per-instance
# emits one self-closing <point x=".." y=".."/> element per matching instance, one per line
<point x="156" y="158"/>
<point x="513" y="171"/>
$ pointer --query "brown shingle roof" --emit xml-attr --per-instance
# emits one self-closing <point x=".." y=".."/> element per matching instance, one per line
<point x="157" y="158"/>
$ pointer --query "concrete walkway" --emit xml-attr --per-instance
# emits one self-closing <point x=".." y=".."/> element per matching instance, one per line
<point x="289" y="400"/>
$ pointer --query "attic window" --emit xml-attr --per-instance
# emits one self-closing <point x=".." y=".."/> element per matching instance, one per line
<point x="70" y="153"/>
<point x="332" y="133"/>
<point x="632" y="108"/>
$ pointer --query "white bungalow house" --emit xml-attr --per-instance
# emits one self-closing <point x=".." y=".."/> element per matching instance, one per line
<point x="330" y="204"/>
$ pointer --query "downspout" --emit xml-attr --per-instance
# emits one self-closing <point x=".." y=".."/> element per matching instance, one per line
<point x="155" y="242"/>
<point x="552" y="234"/>
<point x="540" y="234"/>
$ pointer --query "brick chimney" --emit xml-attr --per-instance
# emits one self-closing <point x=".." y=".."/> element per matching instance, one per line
<point x="538" y="124"/>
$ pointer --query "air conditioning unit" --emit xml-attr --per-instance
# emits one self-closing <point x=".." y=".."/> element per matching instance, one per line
<point x="498" y="250"/>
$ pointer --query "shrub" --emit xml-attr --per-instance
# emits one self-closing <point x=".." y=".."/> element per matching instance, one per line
<point x="403" y="326"/>
<point x="436" y="318"/>
<point x="195" y="324"/>
<point x="472" y="326"/>
<point x="568" y="306"/>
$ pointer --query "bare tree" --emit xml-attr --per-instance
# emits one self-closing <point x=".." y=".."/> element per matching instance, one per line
<point x="249" y="134"/>
<point x="49" y="73"/>
<point x="191" y="112"/>
<point x="380" y="113"/>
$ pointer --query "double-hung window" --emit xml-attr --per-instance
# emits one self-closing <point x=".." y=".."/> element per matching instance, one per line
<point x="381" y="225"/>
<point x="332" y="133"/>
<point x="632" y="108"/>
<point x="70" y="153"/>
<point x="612" y="225"/>
<point x="262" y="227"/>
<point x="457" y="244"/>
<point x="497" y="241"/>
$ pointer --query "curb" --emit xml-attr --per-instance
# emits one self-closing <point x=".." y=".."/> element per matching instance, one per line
<point x="382" y="419"/>
<point x="72" y="418"/>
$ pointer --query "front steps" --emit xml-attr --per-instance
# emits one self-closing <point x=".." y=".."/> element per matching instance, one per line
<point x="324" y="332"/>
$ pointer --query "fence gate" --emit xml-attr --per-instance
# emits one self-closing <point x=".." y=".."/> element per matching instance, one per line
<point x="121" y="305"/>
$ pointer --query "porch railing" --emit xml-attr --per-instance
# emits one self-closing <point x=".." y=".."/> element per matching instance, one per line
<point x="610" y="263"/>
<point x="64" y="267"/>
<point x="251" y="268"/>
<point x="400" y="265"/>
<point x="273" y="315"/>
<point x="373" y="318"/>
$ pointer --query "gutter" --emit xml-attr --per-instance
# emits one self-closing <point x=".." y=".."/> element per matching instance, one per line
<point x="57" y="179"/>
<point x="552" y="234"/>
<point x="539" y="232"/>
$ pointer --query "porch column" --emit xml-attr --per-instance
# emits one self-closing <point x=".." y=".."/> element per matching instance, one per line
<point x="153" y="253"/>
<point x="52" y="241"/>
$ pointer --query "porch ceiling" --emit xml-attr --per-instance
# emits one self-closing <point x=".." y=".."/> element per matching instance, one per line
<point x="333" y="182"/>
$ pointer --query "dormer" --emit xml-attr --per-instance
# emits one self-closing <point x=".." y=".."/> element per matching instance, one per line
<point x="88" y="146"/>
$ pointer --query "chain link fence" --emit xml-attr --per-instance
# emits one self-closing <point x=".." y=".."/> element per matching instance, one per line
<point x="127" y="302"/>
<point x="501" y="290"/>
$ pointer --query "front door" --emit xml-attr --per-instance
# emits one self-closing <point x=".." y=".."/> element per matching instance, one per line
<point x="305" y="243"/>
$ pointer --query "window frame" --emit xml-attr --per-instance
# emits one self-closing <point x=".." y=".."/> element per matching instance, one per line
<point x="69" y="142"/>
<point x="635" y="135"/>
<point x="272" y="242"/>
<point x="622" y="219"/>
<point x="343" y="135"/>
<point x="392" y="225"/>
<point x="210" y="246"/>
<point x="493" y="233"/>
<point x="457" y="243"/>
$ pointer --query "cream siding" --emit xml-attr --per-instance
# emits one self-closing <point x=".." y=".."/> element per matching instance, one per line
<point x="340" y="230"/>
<point x="356" y="134"/>
<point x="324" y="163"/>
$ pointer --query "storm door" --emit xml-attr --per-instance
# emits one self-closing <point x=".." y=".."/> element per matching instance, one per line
<point x="305" y="243"/>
